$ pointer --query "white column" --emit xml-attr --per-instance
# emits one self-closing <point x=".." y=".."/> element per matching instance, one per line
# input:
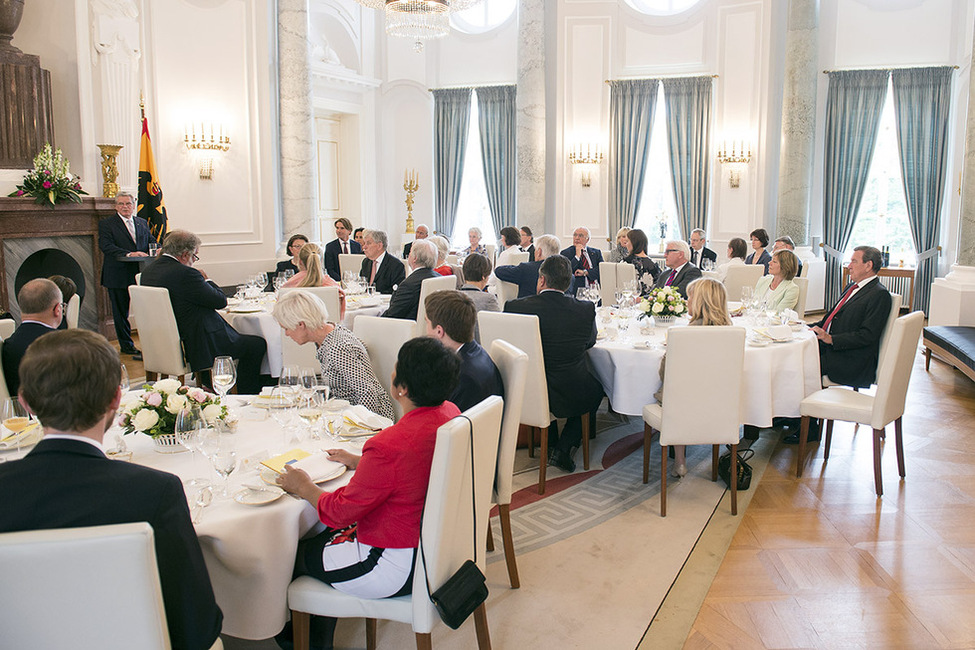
<point x="531" y="115"/>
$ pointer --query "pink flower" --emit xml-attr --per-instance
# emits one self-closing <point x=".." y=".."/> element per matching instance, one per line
<point x="46" y="172"/>
<point x="198" y="394"/>
<point x="154" y="399"/>
<point x="20" y="192"/>
<point x="77" y="186"/>
<point x="47" y="185"/>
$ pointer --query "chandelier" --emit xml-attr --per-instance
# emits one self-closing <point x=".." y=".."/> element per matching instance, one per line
<point x="418" y="19"/>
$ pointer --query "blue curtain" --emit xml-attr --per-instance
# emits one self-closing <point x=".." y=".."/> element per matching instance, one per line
<point x="451" y="115"/>
<point x="921" y="100"/>
<point x="499" y="154"/>
<point x="853" y="106"/>
<point x="688" y="103"/>
<point x="631" y="109"/>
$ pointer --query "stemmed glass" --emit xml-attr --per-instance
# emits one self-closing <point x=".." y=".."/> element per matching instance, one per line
<point x="261" y="280"/>
<point x="224" y="461"/>
<point x="123" y="384"/>
<point x="189" y="427"/>
<point x="289" y="377"/>
<point x="224" y="376"/>
<point x="310" y="410"/>
<point x="307" y="380"/>
<point x="281" y="405"/>
<point x="15" y="420"/>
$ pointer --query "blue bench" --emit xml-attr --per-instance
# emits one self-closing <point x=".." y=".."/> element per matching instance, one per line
<point x="954" y="344"/>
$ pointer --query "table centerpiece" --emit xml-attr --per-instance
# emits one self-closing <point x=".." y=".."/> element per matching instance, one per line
<point x="154" y="411"/>
<point x="665" y="304"/>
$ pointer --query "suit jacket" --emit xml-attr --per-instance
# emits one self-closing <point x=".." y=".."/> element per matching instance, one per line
<point x="706" y="254"/>
<point x="332" y="251"/>
<point x="856" y="329"/>
<point x="205" y="334"/>
<point x="406" y="299"/>
<point x="595" y="257"/>
<point x="568" y="329"/>
<point x="14" y="349"/>
<point x="286" y="265"/>
<point x="406" y="249"/>
<point x="525" y="275"/>
<point x="479" y="377"/>
<point x="784" y="296"/>
<point x="69" y="484"/>
<point x="114" y="242"/>
<point x="765" y="258"/>
<point x="390" y="272"/>
<point x="687" y="274"/>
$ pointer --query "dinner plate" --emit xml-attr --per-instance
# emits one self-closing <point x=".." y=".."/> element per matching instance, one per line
<point x="269" y="476"/>
<point x="251" y="497"/>
<point x="245" y="309"/>
<point x="759" y="343"/>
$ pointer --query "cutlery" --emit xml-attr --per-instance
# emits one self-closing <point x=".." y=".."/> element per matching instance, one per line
<point x="203" y="498"/>
<point x="358" y="425"/>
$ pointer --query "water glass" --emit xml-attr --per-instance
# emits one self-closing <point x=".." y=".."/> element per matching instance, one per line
<point x="189" y="425"/>
<point x="224" y="461"/>
<point x="223" y="375"/>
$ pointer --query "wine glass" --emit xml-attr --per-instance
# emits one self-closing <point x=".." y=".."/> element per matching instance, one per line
<point x="189" y="424"/>
<point x="746" y="295"/>
<point x="224" y="461"/>
<point x="289" y="377"/>
<point x="321" y="386"/>
<point x="280" y="405"/>
<point x="261" y="280"/>
<point x="123" y="384"/>
<point x="15" y="420"/>
<point x="307" y="380"/>
<point x="224" y="376"/>
<point x="310" y="410"/>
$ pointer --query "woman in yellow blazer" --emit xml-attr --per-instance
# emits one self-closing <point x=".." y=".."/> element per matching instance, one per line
<point x="777" y="290"/>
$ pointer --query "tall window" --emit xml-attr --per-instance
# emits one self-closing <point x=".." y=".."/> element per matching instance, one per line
<point x="483" y="17"/>
<point x="657" y="205"/>
<point x="882" y="217"/>
<point x="662" y="7"/>
<point x="472" y="208"/>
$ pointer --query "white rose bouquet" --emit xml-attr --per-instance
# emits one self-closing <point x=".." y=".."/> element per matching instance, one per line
<point x="664" y="301"/>
<point x="154" y="412"/>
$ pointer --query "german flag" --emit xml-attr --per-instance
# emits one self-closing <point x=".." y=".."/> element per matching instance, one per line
<point x="152" y="207"/>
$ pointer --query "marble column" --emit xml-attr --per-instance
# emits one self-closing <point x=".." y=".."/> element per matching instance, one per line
<point x="297" y="127"/>
<point x="531" y="115"/>
<point x="798" y="121"/>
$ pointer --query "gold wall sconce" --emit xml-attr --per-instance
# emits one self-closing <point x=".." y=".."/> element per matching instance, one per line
<point x="208" y="139"/>
<point x="588" y="156"/>
<point x="736" y="158"/>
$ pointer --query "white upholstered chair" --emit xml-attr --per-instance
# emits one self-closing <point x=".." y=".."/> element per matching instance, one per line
<point x="506" y="291"/>
<point x="304" y="356"/>
<point x="513" y="365"/>
<point x="607" y="282"/>
<point x="162" y="351"/>
<point x="745" y="275"/>
<point x="7" y="327"/>
<point x="351" y="262"/>
<point x="491" y="252"/>
<point x="517" y="258"/>
<point x="328" y="295"/>
<point x="680" y="419"/>
<point x="4" y="391"/>
<point x="72" y="311"/>
<point x="448" y="535"/>
<point x="895" y="310"/>
<point x="803" y="284"/>
<point x="875" y="411"/>
<point x="383" y="337"/>
<point x="428" y="286"/>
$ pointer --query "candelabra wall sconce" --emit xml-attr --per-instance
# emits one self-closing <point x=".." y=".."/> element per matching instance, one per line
<point x="589" y="156"/>
<point x="735" y="158"/>
<point x="208" y="139"/>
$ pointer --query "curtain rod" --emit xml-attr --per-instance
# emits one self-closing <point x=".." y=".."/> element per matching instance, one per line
<point x="909" y="67"/>
<point x="472" y="86"/>
<point x="675" y="76"/>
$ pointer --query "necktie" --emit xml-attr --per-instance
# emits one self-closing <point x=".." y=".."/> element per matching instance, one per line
<point x="345" y="247"/>
<point x="131" y="228"/>
<point x="694" y="258"/>
<point x="671" y="278"/>
<point x="372" y="274"/>
<point x="832" y="314"/>
<point x="585" y="261"/>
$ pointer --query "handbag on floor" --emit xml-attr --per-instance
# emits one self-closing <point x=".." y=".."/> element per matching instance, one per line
<point x="744" y="469"/>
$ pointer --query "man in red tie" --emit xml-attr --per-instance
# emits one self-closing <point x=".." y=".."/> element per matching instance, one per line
<point x="679" y="272"/>
<point x="584" y="259"/>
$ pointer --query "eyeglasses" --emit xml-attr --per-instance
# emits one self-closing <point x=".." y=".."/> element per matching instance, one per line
<point x="196" y="258"/>
<point x="672" y="250"/>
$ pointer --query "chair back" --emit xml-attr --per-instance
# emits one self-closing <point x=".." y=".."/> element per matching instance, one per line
<point x="7" y="328"/>
<point x="744" y="275"/>
<point x="383" y="337"/>
<point x="350" y="262"/>
<point x="803" y="284"/>
<point x="895" y="311"/>
<point x="4" y="391"/>
<point x="328" y="295"/>
<point x="72" y="311"/>
<point x="607" y="282"/>
<point x="452" y="260"/>
<point x="506" y="291"/>
<point x="517" y="258"/>
<point x="684" y="421"/>
<point x="513" y="365"/>
<point x="521" y="331"/>
<point x="162" y="351"/>
<point x="491" y="252"/>
<point x="625" y="272"/>
<point x="428" y="286"/>
<point x="138" y="278"/>
<point x="894" y="371"/>
<point x="94" y="587"/>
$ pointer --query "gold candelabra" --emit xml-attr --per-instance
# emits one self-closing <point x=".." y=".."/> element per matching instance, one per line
<point x="110" y="169"/>
<point x="410" y="185"/>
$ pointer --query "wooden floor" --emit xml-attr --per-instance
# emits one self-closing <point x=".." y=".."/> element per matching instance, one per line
<point x="820" y="562"/>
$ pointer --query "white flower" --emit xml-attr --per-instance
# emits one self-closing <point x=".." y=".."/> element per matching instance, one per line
<point x="679" y="309"/>
<point x="131" y="405"/>
<point x="657" y="308"/>
<point x="212" y="412"/>
<point x="167" y="385"/>
<point x="175" y="403"/>
<point x="145" y="420"/>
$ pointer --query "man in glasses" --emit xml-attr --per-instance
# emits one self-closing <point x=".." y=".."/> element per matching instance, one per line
<point x="679" y="272"/>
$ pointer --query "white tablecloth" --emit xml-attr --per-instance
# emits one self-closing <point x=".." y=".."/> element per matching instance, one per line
<point x="777" y="377"/>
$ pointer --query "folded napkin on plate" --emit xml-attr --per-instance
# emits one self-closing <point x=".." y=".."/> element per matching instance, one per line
<point x="318" y="466"/>
<point x="361" y="415"/>
<point x="780" y="332"/>
<point x="789" y="316"/>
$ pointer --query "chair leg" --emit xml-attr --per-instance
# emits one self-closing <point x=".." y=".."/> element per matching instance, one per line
<point x="301" y="628"/>
<point x="927" y="359"/>
<point x="150" y="376"/>
<point x="543" y="461"/>
<point x="663" y="481"/>
<point x="490" y="536"/>
<point x="877" y="478"/>
<point x="829" y="439"/>
<point x="899" y="443"/>
<point x="481" y="628"/>
<point x="647" y="433"/>
<point x="424" y="641"/>
<point x="733" y="476"/>
<point x="803" y="432"/>
<point x="714" y="462"/>
<point x="370" y="634"/>
<point x="586" y="424"/>
<point x="531" y="442"/>
<point x="504" y="512"/>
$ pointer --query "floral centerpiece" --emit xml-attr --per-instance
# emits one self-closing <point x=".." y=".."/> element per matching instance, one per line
<point x="51" y="180"/>
<point x="663" y="302"/>
<point x="154" y="412"/>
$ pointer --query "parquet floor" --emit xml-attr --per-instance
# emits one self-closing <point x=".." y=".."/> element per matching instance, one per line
<point x="820" y="562"/>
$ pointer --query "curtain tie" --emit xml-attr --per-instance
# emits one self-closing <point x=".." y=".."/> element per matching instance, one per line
<point x="832" y="252"/>
<point x="931" y="252"/>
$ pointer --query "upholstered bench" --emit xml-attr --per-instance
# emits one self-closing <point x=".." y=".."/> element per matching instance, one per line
<point x="954" y="344"/>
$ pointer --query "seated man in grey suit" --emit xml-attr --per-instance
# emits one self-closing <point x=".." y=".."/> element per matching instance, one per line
<point x="380" y="269"/>
<point x="679" y="272"/>
<point x="70" y="380"/>
<point x="406" y="299"/>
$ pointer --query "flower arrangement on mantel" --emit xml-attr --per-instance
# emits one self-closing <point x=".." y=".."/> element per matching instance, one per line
<point x="51" y="181"/>
<point x="154" y="412"/>
<point x="663" y="302"/>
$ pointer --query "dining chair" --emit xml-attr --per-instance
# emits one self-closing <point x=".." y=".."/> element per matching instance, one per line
<point x="491" y="252"/>
<point x="162" y="350"/>
<point x="328" y="295"/>
<point x="875" y="411"/>
<point x="350" y="262"/>
<point x="625" y="272"/>
<point x="428" y="286"/>
<point x="607" y="282"/>
<point x="383" y="337"/>
<point x="517" y="258"/>
<point x="448" y="536"/>
<point x="4" y="391"/>
<point x="680" y="418"/>
<point x="506" y="291"/>
<point x="7" y="327"/>
<point x="803" y="284"/>
<point x="72" y="311"/>
<point x="452" y="260"/>
<point x="895" y="310"/>
<point x="513" y="365"/>
<point x="738" y="277"/>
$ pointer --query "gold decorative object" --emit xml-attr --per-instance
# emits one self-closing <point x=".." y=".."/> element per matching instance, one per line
<point x="211" y="138"/>
<point x="589" y="157"/>
<point x="411" y="186"/>
<point x="110" y="169"/>
<point x="737" y="158"/>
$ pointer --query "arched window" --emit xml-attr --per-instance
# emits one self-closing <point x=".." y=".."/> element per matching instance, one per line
<point x="662" y="7"/>
<point x="483" y="17"/>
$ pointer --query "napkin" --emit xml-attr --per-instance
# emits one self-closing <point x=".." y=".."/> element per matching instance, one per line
<point x="361" y="415"/>
<point x="24" y="436"/>
<point x="780" y="332"/>
<point x="789" y="316"/>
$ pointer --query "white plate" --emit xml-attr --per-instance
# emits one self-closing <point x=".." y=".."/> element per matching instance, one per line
<point x="642" y="345"/>
<point x="249" y="497"/>
<point x="245" y="309"/>
<point x="29" y="439"/>
<point x="333" y="405"/>
<point x="759" y="343"/>
<point x="269" y="476"/>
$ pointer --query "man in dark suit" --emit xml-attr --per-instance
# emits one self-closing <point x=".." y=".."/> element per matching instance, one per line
<point x="205" y="334"/>
<point x="71" y="382"/>
<point x="584" y="259"/>
<point x="525" y="275"/>
<point x="380" y="269"/>
<point x="700" y="252"/>
<point x="568" y="329"/>
<point x="405" y="302"/>
<point x="421" y="232"/>
<point x="342" y="244"/>
<point x="679" y="272"/>
<point x="41" y="311"/>
<point x="123" y="235"/>
<point x="451" y="316"/>
<point x="785" y="242"/>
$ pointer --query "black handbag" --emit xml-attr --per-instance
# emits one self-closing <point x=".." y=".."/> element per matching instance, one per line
<point x="464" y="591"/>
<point x="744" y="469"/>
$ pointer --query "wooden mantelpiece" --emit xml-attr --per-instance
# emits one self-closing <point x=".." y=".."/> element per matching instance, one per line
<point x="71" y="227"/>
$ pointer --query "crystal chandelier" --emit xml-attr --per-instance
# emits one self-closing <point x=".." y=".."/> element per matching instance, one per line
<point x="418" y="19"/>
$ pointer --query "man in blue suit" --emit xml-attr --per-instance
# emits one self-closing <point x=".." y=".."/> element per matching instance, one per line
<point x="122" y="236"/>
<point x="525" y="275"/>
<point x="584" y="259"/>
<point x="343" y="244"/>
